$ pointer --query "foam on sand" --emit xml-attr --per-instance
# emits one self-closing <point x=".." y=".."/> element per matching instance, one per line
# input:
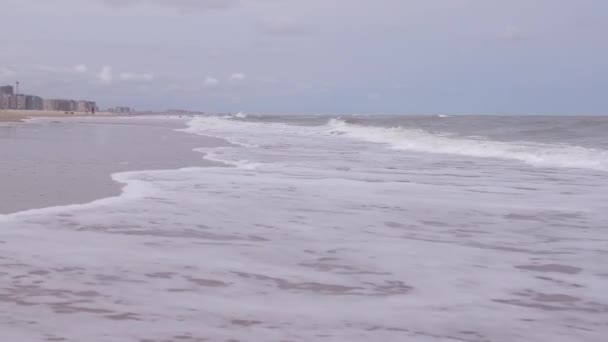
<point x="329" y="238"/>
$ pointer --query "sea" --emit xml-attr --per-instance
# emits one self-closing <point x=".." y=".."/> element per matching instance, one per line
<point x="310" y="228"/>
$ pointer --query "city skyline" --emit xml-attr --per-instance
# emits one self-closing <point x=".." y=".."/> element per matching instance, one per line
<point x="314" y="57"/>
<point x="11" y="98"/>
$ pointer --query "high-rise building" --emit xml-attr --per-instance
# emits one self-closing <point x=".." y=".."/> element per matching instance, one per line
<point x="19" y="102"/>
<point x="48" y="104"/>
<point x="5" y="101"/>
<point x="7" y="90"/>
<point x="33" y="102"/>
<point x="9" y="99"/>
<point x="86" y="106"/>
<point x="60" y="105"/>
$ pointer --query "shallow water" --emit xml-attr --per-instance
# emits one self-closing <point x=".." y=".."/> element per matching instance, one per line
<point x="50" y="162"/>
<point x="320" y="232"/>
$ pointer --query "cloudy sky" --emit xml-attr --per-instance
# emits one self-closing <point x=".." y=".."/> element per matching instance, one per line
<point x="313" y="56"/>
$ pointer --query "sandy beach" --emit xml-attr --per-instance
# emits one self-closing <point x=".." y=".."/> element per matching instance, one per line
<point x="19" y="115"/>
<point x="85" y="152"/>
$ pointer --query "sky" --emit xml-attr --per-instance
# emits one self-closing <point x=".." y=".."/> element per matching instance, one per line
<point x="313" y="56"/>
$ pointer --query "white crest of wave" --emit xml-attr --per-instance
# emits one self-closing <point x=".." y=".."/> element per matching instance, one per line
<point x="421" y="141"/>
<point x="214" y="154"/>
<point x="208" y="125"/>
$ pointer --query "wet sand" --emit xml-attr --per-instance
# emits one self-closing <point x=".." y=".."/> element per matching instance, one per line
<point x="20" y="115"/>
<point x="54" y="162"/>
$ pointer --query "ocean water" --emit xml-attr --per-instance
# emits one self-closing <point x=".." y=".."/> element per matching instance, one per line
<point x="359" y="228"/>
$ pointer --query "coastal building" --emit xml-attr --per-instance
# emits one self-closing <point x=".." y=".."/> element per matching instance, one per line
<point x="86" y="106"/>
<point x="7" y="90"/>
<point x="33" y="102"/>
<point x="121" y="110"/>
<point x="5" y="101"/>
<point x="11" y="100"/>
<point x="48" y="104"/>
<point x="60" y="105"/>
<point x="19" y="102"/>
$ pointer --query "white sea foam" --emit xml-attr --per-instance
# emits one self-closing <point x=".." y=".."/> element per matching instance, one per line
<point x="216" y="155"/>
<point x="422" y="141"/>
<point x="327" y="239"/>
<point x="207" y="125"/>
<point x="133" y="189"/>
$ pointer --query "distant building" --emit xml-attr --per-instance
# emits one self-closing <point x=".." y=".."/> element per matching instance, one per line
<point x="86" y="106"/>
<point x="19" y="102"/>
<point x="7" y="90"/>
<point x="48" y="104"/>
<point x="10" y="100"/>
<point x="33" y="102"/>
<point x="121" y="110"/>
<point x="5" y="101"/>
<point x="60" y="105"/>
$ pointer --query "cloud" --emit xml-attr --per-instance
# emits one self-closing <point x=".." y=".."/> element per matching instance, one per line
<point x="105" y="75"/>
<point x="80" y="68"/>
<point x="511" y="32"/>
<point x="179" y="5"/>
<point x="237" y="76"/>
<point x="281" y="26"/>
<point x="128" y="76"/>
<point x="211" y="82"/>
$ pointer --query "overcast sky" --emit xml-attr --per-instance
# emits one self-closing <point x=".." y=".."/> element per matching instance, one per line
<point x="313" y="56"/>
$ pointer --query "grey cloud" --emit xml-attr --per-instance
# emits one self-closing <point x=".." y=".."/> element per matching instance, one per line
<point x="237" y="76"/>
<point x="130" y="76"/>
<point x="106" y="75"/>
<point x="287" y="50"/>
<point x="211" y="82"/>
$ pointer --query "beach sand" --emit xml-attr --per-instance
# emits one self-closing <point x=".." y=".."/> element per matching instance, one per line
<point x="19" y="115"/>
<point x="54" y="162"/>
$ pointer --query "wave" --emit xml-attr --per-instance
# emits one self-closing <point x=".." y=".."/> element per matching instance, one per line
<point x="203" y="125"/>
<point x="212" y="154"/>
<point x="537" y="154"/>
<point x="133" y="188"/>
<point x="406" y="139"/>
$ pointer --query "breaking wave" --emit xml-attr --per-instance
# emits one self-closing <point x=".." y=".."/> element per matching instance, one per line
<point x="537" y="154"/>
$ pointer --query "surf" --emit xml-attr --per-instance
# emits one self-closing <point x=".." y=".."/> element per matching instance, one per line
<point x="418" y="140"/>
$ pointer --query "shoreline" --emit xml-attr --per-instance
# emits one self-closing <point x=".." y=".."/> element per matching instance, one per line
<point x="11" y="115"/>
<point x="91" y="154"/>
